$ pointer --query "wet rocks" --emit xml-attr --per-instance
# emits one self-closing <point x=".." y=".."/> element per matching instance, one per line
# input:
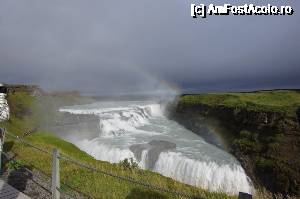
<point x="153" y="148"/>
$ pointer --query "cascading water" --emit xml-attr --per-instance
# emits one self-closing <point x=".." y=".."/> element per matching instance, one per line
<point x="4" y="108"/>
<point x="138" y="130"/>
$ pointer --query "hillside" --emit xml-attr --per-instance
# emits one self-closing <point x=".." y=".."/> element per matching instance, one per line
<point x="281" y="101"/>
<point x="260" y="128"/>
<point x="27" y="118"/>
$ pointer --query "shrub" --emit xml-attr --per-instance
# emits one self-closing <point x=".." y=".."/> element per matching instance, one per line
<point x="14" y="164"/>
<point x="129" y="164"/>
<point x="248" y="135"/>
<point x="265" y="165"/>
<point x="274" y="147"/>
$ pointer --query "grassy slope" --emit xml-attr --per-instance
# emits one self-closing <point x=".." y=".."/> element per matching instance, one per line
<point x="280" y="101"/>
<point x="27" y="114"/>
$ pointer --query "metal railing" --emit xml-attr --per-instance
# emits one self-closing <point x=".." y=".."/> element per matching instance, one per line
<point x="55" y="173"/>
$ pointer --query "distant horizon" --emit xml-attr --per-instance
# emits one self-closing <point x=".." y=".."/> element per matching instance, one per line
<point x="151" y="94"/>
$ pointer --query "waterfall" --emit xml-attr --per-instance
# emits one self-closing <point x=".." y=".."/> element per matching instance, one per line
<point x="139" y="130"/>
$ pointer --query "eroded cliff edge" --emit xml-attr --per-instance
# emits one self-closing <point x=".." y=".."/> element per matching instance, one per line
<point x="263" y="135"/>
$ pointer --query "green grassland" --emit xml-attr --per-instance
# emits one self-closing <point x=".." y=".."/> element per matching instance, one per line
<point x="283" y="101"/>
<point x="27" y="113"/>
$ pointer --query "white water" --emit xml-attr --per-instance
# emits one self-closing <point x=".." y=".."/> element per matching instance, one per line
<point x="123" y="125"/>
<point x="4" y="109"/>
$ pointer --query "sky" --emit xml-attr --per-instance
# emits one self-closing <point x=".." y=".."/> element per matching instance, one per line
<point x="127" y="47"/>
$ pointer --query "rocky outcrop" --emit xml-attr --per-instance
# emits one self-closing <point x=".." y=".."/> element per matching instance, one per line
<point x="13" y="88"/>
<point x="153" y="148"/>
<point x="266" y="143"/>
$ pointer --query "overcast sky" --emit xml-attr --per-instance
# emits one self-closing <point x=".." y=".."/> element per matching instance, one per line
<point x="119" y="47"/>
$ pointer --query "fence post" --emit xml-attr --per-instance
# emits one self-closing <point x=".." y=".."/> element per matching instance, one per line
<point x="2" y="136"/>
<point x="55" y="175"/>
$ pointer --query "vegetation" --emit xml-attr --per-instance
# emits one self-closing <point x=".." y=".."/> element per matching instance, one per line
<point x="265" y="132"/>
<point x="23" y="114"/>
<point x="129" y="164"/>
<point x="14" y="164"/>
<point x="283" y="101"/>
<point x="275" y="159"/>
<point x="26" y="116"/>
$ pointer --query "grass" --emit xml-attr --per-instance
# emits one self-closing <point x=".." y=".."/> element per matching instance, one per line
<point x="95" y="184"/>
<point x="283" y="101"/>
<point x="23" y="114"/>
<point x="27" y="114"/>
<point x="270" y="151"/>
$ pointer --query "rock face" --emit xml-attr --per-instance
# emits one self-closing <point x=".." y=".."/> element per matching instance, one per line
<point x="8" y="88"/>
<point x="266" y="143"/>
<point x="154" y="148"/>
<point x="15" y="88"/>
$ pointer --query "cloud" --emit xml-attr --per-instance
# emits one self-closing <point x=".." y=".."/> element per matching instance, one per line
<point x="127" y="47"/>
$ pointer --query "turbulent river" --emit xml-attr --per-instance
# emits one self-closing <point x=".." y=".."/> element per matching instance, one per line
<point x="139" y="130"/>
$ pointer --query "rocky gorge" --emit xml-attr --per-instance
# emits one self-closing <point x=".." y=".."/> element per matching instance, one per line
<point x="265" y="141"/>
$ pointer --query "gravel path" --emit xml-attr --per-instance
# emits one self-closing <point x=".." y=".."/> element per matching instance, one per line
<point x="33" y="183"/>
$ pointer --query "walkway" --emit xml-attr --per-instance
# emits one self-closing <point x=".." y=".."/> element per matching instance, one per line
<point x="9" y="192"/>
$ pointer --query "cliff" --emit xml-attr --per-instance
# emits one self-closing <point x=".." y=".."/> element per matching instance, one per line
<point x="262" y="132"/>
<point x="13" y="88"/>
